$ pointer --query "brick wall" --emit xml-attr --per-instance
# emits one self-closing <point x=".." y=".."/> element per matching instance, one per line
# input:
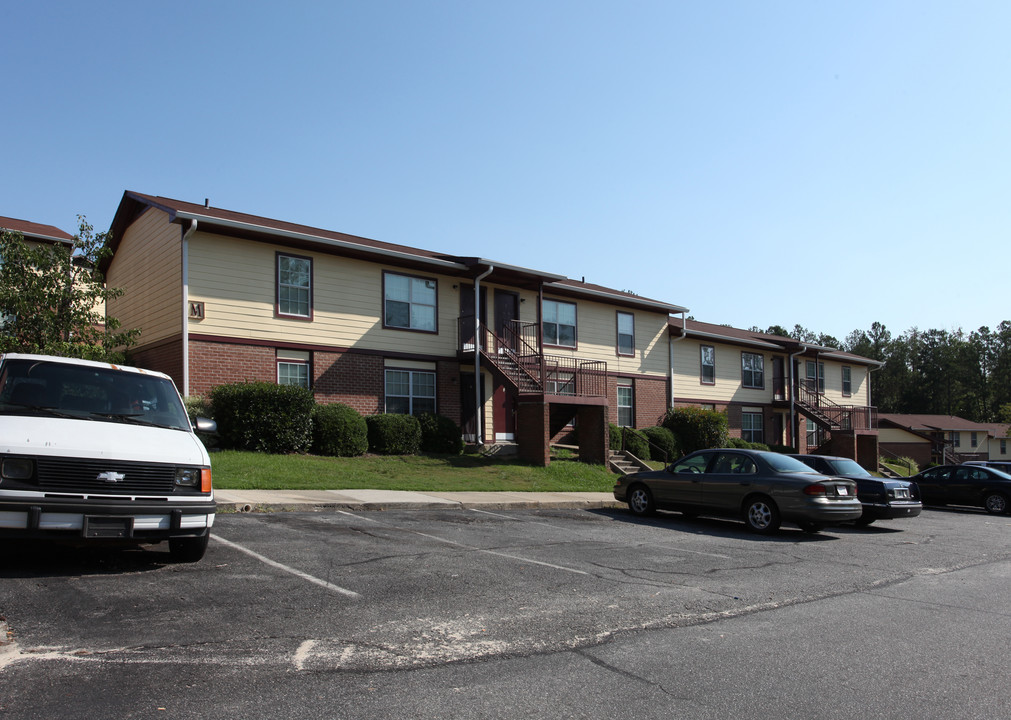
<point x="354" y="379"/>
<point x="649" y="400"/>
<point x="217" y="363"/>
<point x="166" y="357"/>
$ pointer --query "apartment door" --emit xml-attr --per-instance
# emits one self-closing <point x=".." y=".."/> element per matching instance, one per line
<point x="467" y="316"/>
<point x="504" y="413"/>
<point x="468" y="415"/>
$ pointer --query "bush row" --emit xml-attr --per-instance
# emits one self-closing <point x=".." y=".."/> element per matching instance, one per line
<point x="264" y="417"/>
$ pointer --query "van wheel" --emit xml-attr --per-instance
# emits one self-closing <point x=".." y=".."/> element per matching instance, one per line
<point x="189" y="549"/>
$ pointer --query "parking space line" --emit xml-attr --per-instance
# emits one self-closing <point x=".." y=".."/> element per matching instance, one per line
<point x="286" y="568"/>
<point x="471" y="547"/>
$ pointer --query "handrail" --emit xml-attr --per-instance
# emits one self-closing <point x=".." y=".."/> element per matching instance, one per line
<point x="625" y="431"/>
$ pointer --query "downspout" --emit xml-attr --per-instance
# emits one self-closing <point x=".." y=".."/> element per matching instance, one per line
<point x="670" y="345"/>
<point x="187" y="233"/>
<point x="478" y="408"/>
<point x="793" y="394"/>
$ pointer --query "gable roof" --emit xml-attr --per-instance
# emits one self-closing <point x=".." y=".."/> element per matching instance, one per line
<point x="935" y="423"/>
<point x="751" y="338"/>
<point x="36" y="231"/>
<point x="305" y="237"/>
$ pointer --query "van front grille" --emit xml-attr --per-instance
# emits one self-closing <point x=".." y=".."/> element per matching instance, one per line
<point x="104" y="476"/>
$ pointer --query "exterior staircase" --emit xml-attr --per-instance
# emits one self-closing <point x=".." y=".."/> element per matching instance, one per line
<point x="624" y="463"/>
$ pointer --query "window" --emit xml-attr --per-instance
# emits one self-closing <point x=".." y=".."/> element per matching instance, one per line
<point x="560" y="383"/>
<point x="626" y="333"/>
<point x="294" y="286"/>
<point x="815" y="376"/>
<point x="1003" y="447"/>
<point x="293" y="373"/>
<point x="847" y="381"/>
<point x="752" y="370"/>
<point x="559" y="323"/>
<point x="955" y="438"/>
<point x="751" y="427"/>
<point x="625" y="397"/>
<point x="973" y="440"/>
<point x="410" y="392"/>
<point x="707" y="361"/>
<point x="409" y="303"/>
<point x="815" y="434"/>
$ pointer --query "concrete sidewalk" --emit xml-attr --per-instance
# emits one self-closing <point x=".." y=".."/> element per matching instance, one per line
<point x="331" y="500"/>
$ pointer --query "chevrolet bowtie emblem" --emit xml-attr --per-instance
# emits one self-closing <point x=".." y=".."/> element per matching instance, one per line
<point x="111" y="477"/>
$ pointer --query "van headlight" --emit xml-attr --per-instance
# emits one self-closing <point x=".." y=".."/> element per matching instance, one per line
<point x="188" y="477"/>
<point x="17" y="469"/>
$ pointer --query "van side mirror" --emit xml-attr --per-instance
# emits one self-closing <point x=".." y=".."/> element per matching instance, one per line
<point x="206" y="425"/>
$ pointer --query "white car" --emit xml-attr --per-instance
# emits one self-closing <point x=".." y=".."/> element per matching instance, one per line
<point x="92" y="452"/>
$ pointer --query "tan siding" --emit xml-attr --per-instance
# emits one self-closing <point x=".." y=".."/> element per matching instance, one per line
<point x="147" y="265"/>
<point x="833" y="384"/>
<point x="897" y="435"/>
<point x="728" y="388"/>
<point x="597" y="339"/>
<point x="235" y="280"/>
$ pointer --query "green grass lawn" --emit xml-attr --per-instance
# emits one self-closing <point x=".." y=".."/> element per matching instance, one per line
<point x="234" y="470"/>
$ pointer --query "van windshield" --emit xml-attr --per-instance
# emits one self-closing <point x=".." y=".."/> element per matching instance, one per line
<point x="55" y="389"/>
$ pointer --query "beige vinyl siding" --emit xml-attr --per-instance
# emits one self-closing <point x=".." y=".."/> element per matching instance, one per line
<point x="833" y="383"/>
<point x="147" y="266"/>
<point x="597" y="338"/>
<point x="897" y="435"/>
<point x="728" y="387"/>
<point x="236" y="281"/>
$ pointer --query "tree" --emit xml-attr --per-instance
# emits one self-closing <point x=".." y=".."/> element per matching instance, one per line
<point x="53" y="298"/>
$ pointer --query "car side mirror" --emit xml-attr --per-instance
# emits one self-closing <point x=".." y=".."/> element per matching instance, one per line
<point x="206" y="425"/>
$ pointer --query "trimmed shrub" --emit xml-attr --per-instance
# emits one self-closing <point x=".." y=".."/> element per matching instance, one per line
<point x="696" y="429"/>
<point x="746" y="445"/>
<point x="339" y="430"/>
<point x="613" y="437"/>
<point x="394" y="434"/>
<point x="263" y="417"/>
<point x="636" y="444"/>
<point x="440" y="435"/>
<point x="663" y="441"/>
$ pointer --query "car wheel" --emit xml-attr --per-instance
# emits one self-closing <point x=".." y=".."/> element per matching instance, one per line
<point x="864" y="521"/>
<point x="640" y="501"/>
<point x="188" y="550"/>
<point x="811" y="527"/>
<point x="761" y="514"/>
<point x="995" y="503"/>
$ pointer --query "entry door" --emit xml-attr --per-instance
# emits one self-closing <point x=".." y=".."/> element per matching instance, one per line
<point x="467" y="398"/>
<point x="504" y="413"/>
<point x="467" y="316"/>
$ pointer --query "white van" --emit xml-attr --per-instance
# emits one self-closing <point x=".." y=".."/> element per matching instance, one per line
<point x="92" y="452"/>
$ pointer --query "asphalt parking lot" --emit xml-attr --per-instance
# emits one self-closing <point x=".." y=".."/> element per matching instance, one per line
<point x="549" y="613"/>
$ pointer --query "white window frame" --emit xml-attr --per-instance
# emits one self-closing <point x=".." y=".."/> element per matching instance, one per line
<point x="752" y="426"/>
<point x="757" y="374"/>
<point x="284" y="378"/>
<point x="422" y="315"/>
<point x="629" y="332"/>
<point x="550" y="319"/>
<point x="413" y="378"/>
<point x="626" y="408"/>
<point x="295" y="282"/>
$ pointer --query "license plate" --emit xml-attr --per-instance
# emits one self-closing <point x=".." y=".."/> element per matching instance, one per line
<point x="843" y="491"/>
<point x="102" y="526"/>
<point x="902" y="493"/>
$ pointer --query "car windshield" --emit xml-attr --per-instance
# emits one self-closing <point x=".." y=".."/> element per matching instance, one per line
<point x="786" y="464"/>
<point x="54" y="389"/>
<point x="845" y="466"/>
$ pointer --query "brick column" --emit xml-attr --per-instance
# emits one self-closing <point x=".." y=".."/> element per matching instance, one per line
<point x="532" y="430"/>
<point x="592" y="431"/>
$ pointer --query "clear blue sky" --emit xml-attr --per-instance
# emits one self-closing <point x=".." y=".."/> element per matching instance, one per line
<point x="822" y="164"/>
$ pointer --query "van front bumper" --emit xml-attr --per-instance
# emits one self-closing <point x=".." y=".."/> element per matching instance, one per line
<point x="140" y="520"/>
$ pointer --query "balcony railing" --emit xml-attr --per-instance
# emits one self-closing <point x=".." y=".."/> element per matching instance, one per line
<point x="517" y="354"/>
<point x="811" y="399"/>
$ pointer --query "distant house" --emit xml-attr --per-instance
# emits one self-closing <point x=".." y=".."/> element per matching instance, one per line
<point x="777" y="390"/>
<point x="509" y="353"/>
<point x="942" y="438"/>
<point x="36" y="232"/>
